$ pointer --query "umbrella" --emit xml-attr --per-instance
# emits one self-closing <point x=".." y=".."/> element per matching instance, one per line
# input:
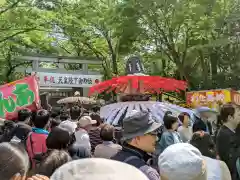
<point x="77" y="99"/>
<point x="143" y="84"/>
<point x="115" y="113"/>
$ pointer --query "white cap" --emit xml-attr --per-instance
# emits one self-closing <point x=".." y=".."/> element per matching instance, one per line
<point x="69" y="126"/>
<point x="182" y="161"/>
<point x="97" y="169"/>
<point x="86" y="120"/>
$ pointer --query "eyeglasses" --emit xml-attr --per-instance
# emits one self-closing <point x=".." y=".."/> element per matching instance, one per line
<point x="154" y="133"/>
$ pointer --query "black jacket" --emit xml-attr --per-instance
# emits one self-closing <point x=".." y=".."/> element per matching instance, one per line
<point x="199" y="125"/>
<point x="138" y="159"/>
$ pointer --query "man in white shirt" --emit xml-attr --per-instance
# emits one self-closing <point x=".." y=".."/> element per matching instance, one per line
<point x="84" y="126"/>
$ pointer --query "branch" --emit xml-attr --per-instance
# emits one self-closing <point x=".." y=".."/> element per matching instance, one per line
<point x="10" y="7"/>
<point x="19" y="32"/>
<point x="64" y="48"/>
<point x="186" y="46"/>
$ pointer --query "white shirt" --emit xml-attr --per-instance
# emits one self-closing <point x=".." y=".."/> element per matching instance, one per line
<point x="82" y="138"/>
<point x="185" y="133"/>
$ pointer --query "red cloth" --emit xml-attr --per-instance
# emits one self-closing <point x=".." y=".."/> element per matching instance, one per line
<point x="149" y="84"/>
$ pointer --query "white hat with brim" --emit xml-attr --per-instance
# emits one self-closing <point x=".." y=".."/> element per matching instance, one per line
<point x="97" y="168"/>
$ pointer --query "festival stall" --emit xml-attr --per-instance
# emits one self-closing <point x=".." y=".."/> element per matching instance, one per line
<point x="14" y="96"/>
<point x="212" y="98"/>
<point x="133" y="91"/>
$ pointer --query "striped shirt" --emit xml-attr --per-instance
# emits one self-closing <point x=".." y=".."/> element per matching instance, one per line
<point x="95" y="138"/>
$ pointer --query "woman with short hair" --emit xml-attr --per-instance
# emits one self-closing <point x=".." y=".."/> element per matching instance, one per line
<point x="170" y="135"/>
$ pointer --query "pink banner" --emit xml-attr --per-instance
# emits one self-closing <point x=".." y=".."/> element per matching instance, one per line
<point x="23" y="93"/>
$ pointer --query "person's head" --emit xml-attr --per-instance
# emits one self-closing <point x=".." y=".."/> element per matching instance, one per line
<point x="170" y="122"/>
<point x="205" y="113"/>
<point x="59" y="138"/>
<point x="182" y="161"/>
<point x="14" y="161"/>
<point x="75" y="112"/>
<point x="97" y="168"/>
<point x="96" y="117"/>
<point x="79" y="152"/>
<point x="54" y="114"/>
<point x="55" y="122"/>
<point x="140" y="130"/>
<point x="107" y="132"/>
<point x="8" y="126"/>
<point x="184" y="118"/>
<point x="86" y="122"/>
<point x="24" y="115"/>
<point x="41" y="119"/>
<point x="96" y="109"/>
<point x="204" y="143"/>
<point x="54" y="160"/>
<point x="230" y="114"/>
<point x="64" y="116"/>
<point x="71" y="127"/>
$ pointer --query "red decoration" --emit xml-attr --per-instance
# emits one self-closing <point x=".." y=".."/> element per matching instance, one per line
<point x="150" y="84"/>
<point x="45" y="78"/>
<point x="96" y="81"/>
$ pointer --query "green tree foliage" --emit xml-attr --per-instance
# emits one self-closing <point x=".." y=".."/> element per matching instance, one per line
<point x="197" y="41"/>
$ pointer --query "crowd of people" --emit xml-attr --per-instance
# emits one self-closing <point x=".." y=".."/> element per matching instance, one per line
<point x="74" y="144"/>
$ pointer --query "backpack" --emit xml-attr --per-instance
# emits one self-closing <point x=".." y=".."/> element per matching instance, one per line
<point x="36" y="148"/>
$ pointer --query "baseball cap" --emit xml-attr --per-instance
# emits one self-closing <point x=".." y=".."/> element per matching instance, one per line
<point x="182" y="161"/>
<point x="97" y="169"/>
<point x="86" y="120"/>
<point x="69" y="126"/>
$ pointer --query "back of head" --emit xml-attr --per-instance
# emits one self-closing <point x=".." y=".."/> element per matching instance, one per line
<point x="24" y="115"/>
<point x="54" y="160"/>
<point x="79" y="152"/>
<point x="97" y="169"/>
<point x="58" y="138"/>
<point x="41" y="119"/>
<point x="55" y="122"/>
<point x="14" y="161"/>
<point x="75" y="112"/>
<point x="64" y="116"/>
<point x="182" y="161"/>
<point x="107" y="132"/>
<point x="54" y="114"/>
<point x="96" y="117"/>
<point x="96" y="108"/>
<point x="204" y="143"/>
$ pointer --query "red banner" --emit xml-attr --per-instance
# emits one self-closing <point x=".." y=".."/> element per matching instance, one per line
<point x="23" y="93"/>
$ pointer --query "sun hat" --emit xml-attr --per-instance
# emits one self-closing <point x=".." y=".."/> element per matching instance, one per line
<point x="182" y="161"/>
<point x="86" y="120"/>
<point x="138" y="124"/>
<point x="97" y="169"/>
<point x="69" y="126"/>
